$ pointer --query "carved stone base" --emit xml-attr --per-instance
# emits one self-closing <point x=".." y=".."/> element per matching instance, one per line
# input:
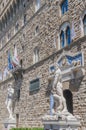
<point x="9" y="123"/>
<point x="61" y="125"/>
<point x="61" y="122"/>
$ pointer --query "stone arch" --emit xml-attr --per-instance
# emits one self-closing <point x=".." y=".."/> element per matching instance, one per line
<point x="83" y="14"/>
<point x="63" y="28"/>
<point x="82" y="26"/>
<point x="64" y="25"/>
<point x="36" y="48"/>
<point x="69" y="100"/>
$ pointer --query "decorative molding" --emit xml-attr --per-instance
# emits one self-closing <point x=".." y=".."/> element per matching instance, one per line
<point x="70" y="64"/>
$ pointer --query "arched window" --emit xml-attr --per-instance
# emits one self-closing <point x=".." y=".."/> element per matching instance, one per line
<point x="14" y="8"/>
<point x="5" y="20"/>
<point x="3" y="23"/>
<point x="3" y="4"/>
<point x="16" y="27"/>
<point x="36" y="30"/>
<point x="11" y="10"/>
<point x="64" y="6"/>
<point x="36" y="55"/>
<point x="62" y="39"/>
<point x="25" y="18"/>
<point x="65" y="35"/>
<point x="8" y="16"/>
<point x="68" y="36"/>
<point x="84" y="23"/>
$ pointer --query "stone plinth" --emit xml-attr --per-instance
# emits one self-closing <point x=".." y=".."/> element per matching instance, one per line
<point x="9" y="123"/>
<point x="57" y="123"/>
<point x="61" y="125"/>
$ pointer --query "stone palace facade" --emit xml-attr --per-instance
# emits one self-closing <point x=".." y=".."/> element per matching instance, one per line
<point x="46" y="33"/>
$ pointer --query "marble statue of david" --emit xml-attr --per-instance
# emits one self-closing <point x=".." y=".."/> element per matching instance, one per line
<point x="9" y="100"/>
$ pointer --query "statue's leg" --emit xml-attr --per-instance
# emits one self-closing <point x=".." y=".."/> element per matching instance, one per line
<point x="60" y="104"/>
<point x="64" y="105"/>
<point x="11" y="113"/>
<point x="51" y="104"/>
<point x="58" y="98"/>
<point x="9" y="109"/>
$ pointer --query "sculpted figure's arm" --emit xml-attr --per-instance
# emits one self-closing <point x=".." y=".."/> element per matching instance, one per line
<point x="12" y="90"/>
<point x="56" y="79"/>
<point x="55" y="82"/>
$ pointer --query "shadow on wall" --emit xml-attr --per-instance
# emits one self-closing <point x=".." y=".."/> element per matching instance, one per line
<point x="49" y="88"/>
<point x="75" y="84"/>
<point x="17" y="90"/>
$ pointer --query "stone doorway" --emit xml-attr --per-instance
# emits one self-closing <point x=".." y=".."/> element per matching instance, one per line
<point x="69" y="100"/>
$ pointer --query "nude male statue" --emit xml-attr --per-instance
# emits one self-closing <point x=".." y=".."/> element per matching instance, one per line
<point x="9" y="99"/>
<point x="58" y="92"/>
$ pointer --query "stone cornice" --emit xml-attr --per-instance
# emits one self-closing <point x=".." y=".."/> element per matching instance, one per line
<point x="38" y="64"/>
<point x="67" y="48"/>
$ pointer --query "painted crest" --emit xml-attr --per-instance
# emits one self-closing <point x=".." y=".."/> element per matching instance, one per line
<point x="69" y="63"/>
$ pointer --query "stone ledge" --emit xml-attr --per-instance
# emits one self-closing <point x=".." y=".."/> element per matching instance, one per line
<point x="38" y="64"/>
<point x="62" y="123"/>
<point x="67" y="48"/>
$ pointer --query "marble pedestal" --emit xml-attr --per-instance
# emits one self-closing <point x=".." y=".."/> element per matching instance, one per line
<point x="54" y="123"/>
<point x="9" y="123"/>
